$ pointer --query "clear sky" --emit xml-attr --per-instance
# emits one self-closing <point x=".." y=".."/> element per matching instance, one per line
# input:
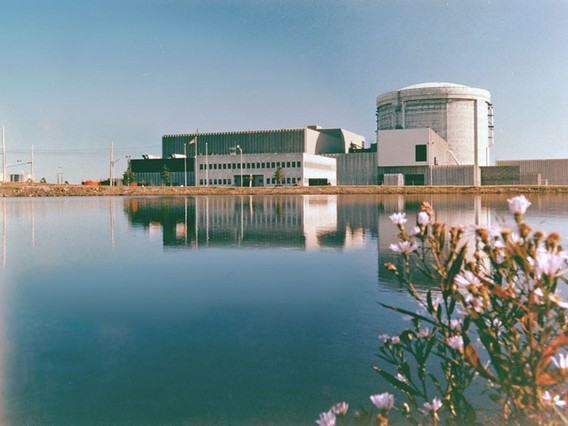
<point x="76" y="75"/>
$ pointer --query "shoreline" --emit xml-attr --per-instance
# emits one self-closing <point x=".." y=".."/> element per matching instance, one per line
<point x="70" y="190"/>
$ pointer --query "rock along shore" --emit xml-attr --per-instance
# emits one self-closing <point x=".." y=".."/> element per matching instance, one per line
<point x="56" y="190"/>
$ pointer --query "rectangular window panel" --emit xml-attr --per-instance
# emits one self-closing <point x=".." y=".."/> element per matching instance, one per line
<point x="421" y="153"/>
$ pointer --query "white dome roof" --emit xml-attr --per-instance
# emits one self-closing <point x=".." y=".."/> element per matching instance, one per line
<point x="432" y="85"/>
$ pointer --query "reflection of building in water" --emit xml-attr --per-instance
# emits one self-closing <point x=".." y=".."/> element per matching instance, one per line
<point x="320" y="221"/>
<point x="222" y="221"/>
<point x="307" y="222"/>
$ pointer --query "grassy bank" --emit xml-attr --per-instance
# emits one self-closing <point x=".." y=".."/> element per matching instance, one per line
<point x="53" y="190"/>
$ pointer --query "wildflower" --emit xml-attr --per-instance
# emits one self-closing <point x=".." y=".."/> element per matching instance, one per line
<point x="466" y="279"/>
<point x="455" y="342"/>
<point x="384" y="337"/>
<point x="518" y="204"/>
<point x="475" y="302"/>
<point x="383" y="401"/>
<point x="326" y="419"/>
<point x="340" y="408"/>
<point x="556" y="400"/>
<point x="423" y="218"/>
<point x="548" y="263"/>
<point x="404" y="247"/>
<point x="552" y="241"/>
<point x="425" y="332"/>
<point x="398" y="218"/>
<point x="496" y="230"/>
<point x="432" y="407"/>
<point x="415" y="231"/>
<point x="395" y="340"/>
<point x="515" y="238"/>
<point x="562" y="362"/>
<point x="496" y="324"/>
<point x="455" y="324"/>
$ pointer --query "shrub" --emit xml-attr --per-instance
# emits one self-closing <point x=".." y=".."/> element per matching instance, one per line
<point x="494" y="319"/>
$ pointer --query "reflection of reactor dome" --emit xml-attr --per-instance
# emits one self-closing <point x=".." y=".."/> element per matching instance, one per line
<point x="462" y="115"/>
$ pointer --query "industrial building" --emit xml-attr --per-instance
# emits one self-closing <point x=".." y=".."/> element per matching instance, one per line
<point x="539" y="172"/>
<point x="426" y="134"/>
<point x="434" y="134"/>
<point x="303" y="156"/>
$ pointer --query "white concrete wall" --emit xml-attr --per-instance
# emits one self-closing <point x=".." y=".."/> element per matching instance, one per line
<point x="318" y="167"/>
<point x="398" y="148"/>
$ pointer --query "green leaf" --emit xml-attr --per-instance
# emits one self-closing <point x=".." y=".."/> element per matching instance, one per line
<point x="397" y="383"/>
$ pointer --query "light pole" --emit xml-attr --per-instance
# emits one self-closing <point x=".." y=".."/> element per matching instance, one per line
<point x="206" y="164"/>
<point x="241" y="152"/>
<point x="185" y="164"/>
<point x="112" y="163"/>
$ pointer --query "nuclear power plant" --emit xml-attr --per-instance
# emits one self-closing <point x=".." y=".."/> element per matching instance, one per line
<point x="461" y="115"/>
<point x="426" y="134"/>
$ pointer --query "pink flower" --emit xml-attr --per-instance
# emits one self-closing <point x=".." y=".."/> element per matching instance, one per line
<point x="326" y="419"/>
<point x="556" y="399"/>
<point x="398" y="218"/>
<point x="423" y="218"/>
<point x="466" y="279"/>
<point x="432" y="407"/>
<point x="383" y="401"/>
<point x="455" y="324"/>
<point x="518" y="204"/>
<point x="561" y="362"/>
<point x="405" y="247"/>
<point x="549" y="263"/>
<point x="475" y="302"/>
<point x="455" y="342"/>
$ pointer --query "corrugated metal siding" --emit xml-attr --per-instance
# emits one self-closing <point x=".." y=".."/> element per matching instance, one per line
<point x="453" y="175"/>
<point x="356" y="169"/>
<point x="253" y="142"/>
<point x="553" y="172"/>
<point x="441" y="175"/>
<point x="500" y="175"/>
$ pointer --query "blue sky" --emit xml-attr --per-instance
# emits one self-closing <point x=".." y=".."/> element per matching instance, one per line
<point x="75" y="75"/>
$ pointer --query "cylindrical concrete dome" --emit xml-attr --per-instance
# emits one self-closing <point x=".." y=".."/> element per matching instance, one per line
<point x="461" y="115"/>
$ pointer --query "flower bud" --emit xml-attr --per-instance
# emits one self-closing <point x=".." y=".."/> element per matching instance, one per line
<point x="553" y="241"/>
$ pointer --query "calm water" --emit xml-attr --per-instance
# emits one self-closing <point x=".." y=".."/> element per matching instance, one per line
<point x="204" y="310"/>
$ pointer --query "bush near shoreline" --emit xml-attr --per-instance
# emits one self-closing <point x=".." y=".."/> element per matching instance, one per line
<point x="68" y="190"/>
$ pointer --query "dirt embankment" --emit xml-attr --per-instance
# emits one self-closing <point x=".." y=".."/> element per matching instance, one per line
<point x="54" y="190"/>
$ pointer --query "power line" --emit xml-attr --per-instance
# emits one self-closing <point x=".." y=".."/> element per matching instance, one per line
<point x="82" y="152"/>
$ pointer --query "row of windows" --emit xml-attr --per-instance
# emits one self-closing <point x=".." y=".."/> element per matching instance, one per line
<point x="203" y="182"/>
<point x="269" y="181"/>
<point x="259" y="165"/>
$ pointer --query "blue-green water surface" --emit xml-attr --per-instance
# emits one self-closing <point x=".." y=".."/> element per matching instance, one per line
<point x="204" y="310"/>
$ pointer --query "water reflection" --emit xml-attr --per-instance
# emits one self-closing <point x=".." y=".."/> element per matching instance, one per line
<point x="260" y="310"/>
<point x="283" y="221"/>
<point x="300" y="222"/>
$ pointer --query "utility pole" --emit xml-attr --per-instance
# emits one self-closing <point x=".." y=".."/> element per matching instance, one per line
<point x="32" y="175"/>
<point x="110" y="165"/>
<point x="3" y="156"/>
